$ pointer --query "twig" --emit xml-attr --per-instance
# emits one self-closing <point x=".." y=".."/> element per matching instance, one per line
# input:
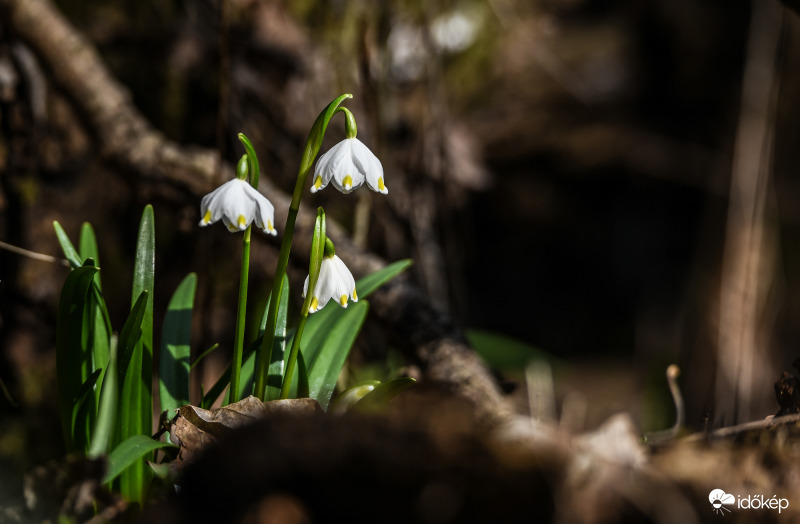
<point x="35" y="256"/>
<point x="768" y="423"/>
<point x="673" y="372"/>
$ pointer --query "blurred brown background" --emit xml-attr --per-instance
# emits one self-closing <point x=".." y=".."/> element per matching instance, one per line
<point x="611" y="181"/>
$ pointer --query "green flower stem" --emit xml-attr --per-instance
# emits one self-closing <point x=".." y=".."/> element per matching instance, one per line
<point x="265" y="354"/>
<point x="318" y="244"/>
<point x="313" y="143"/>
<point x="351" y="130"/>
<point x="247" y="164"/>
<point x="241" y="313"/>
<point x="252" y="159"/>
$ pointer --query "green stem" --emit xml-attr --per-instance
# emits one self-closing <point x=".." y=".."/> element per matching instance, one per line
<point x="313" y="143"/>
<point x="292" y="363"/>
<point x="318" y="243"/>
<point x="241" y="312"/>
<point x="265" y="354"/>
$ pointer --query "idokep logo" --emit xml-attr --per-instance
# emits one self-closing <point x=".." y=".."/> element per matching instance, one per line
<point x="719" y="500"/>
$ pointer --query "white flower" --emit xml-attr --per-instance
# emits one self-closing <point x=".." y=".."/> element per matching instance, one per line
<point x="335" y="282"/>
<point x="349" y="163"/>
<point x="238" y="204"/>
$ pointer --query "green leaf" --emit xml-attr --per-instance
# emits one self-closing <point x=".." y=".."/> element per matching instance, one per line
<point x="368" y="284"/>
<point x="130" y="452"/>
<point x="144" y="279"/>
<point x="162" y="471"/>
<point x="276" y="365"/>
<point x="203" y="355"/>
<point x="87" y="244"/>
<point x="134" y="418"/>
<point x="381" y="395"/>
<point x="175" y="346"/>
<point x="106" y="420"/>
<point x="83" y="410"/>
<point x="69" y="250"/>
<point x="219" y="386"/>
<point x="138" y="382"/>
<point x="100" y="332"/>
<point x="503" y="352"/>
<point x="72" y="356"/>
<point x="324" y="370"/>
<point x="350" y="396"/>
<point x="303" y="390"/>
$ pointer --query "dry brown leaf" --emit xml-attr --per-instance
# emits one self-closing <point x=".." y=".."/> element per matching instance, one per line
<point x="194" y="428"/>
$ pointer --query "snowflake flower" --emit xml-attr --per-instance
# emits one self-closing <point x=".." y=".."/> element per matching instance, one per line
<point x="335" y="282"/>
<point x="349" y="164"/>
<point x="238" y="204"/>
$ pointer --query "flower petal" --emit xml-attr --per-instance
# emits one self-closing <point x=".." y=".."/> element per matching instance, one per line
<point x="335" y="282"/>
<point x="372" y="167"/>
<point x="238" y="204"/>
<point x="348" y="165"/>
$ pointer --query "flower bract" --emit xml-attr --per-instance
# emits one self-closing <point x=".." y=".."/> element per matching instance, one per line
<point x="335" y="282"/>
<point x="238" y="204"/>
<point x="348" y="165"/>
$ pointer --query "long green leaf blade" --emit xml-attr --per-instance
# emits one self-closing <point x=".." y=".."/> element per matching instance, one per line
<point x="144" y="279"/>
<point x="173" y="362"/>
<point x="382" y="394"/>
<point x="368" y="284"/>
<point x="87" y="248"/>
<point x="133" y="420"/>
<point x="324" y="371"/>
<point x="105" y="422"/>
<point x="276" y="365"/>
<point x="303" y="390"/>
<point x="83" y="411"/>
<point x="67" y="247"/>
<point x="100" y="332"/>
<point x="130" y="334"/>
<point x="203" y="355"/>
<point x="138" y="381"/>
<point x="130" y="452"/>
<point x="71" y="355"/>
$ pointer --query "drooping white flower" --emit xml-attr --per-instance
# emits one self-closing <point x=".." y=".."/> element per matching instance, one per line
<point x="335" y="282"/>
<point x="349" y="164"/>
<point x="238" y="204"/>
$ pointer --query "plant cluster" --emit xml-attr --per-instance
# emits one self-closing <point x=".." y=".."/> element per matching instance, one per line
<point x="105" y="378"/>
